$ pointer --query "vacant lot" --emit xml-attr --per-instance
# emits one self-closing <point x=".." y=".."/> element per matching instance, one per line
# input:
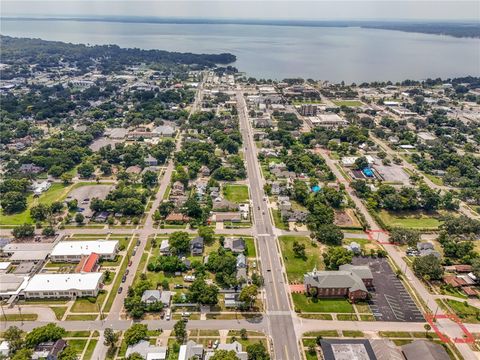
<point x="411" y="219"/>
<point x="347" y="102"/>
<point x="308" y="304"/>
<point x="296" y="266"/>
<point x="89" y="191"/>
<point x="464" y="311"/>
<point x="236" y="193"/>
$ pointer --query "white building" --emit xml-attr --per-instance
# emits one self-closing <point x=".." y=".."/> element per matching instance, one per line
<point x="349" y="161"/>
<point x="39" y="188"/>
<point x="43" y="286"/>
<point x="147" y="351"/>
<point x="72" y="251"/>
<point x="328" y="120"/>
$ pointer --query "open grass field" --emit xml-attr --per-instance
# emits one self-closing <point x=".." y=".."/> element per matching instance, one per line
<point x="296" y="267"/>
<point x="464" y="311"/>
<point x="277" y="219"/>
<point x="411" y="220"/>
<point x="89" y="305"/>
<point x="236" y="193"/>
<point x="347" y="102"/>
<point x="305" y="304"/>
<point x="57" y="192"/>
<point x="90" y="348"/>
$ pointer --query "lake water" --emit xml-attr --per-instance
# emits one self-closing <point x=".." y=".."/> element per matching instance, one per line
<point x="277" y="52"/>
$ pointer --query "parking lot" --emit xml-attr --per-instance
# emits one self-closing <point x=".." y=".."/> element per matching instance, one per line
<point x="393" y="173"/>
<point x="88" y="192"/>
<point x="390" y="300"/>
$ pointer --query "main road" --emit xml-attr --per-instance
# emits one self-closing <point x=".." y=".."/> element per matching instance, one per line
<point x="278" y="309"/>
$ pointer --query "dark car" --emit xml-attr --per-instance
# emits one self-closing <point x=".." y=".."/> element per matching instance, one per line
<point x="124" y="278"/>
<point x="120" y="289"/>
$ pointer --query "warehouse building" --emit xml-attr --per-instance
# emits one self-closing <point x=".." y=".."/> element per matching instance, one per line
<point x="54" y="286"/>
<point x="73" y="251"/>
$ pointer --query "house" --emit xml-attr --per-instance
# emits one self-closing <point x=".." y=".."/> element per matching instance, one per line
<point x="204" y="170"/>
<point x="39" y="188"/>
<point x="55" y="286"/>
<point x="241" y="261"/>
<point x="176" y="218"/>
<point x="164" y="247"/>
<point x="349" y="281"/>
<point x="299" y="216"/>
<point x="236" y="245"/>
<point x="426" y="138"/>
<point x="244" y="210"/>
<point x="220" y="204"/>
<point x="425" y="350"/>
<point x="49" y="350"/>
<point x="30" y="169"/>
<point x="153" y="296"/>
<point x="150" y="161"/>
<point x="88" y="263"/>
<point x="231" y="300"/>
<point x="241" y="274"/>
<point x="275" y="188"/>
<point x="426" y="248"/>
<point x="4" y="349"/>
<point x="228" y="216"/>
<point x="235" y="346"/>
<point x="284" y="203"/>
<point x="190" y="351"/>
<point x="196" y="246"/>
<point x="135" y="169"/>
<point x="177" y="188"/>
<point x="147" y="351"/>
<point x="72" y="251"/>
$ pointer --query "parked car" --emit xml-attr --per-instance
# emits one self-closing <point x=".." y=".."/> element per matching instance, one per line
<point x="215" y="344"/>
<point x="130" y="263"/>
<point x="124" y="278"/>
<point x="127" y="271"/>
<point x="120" y="289"/>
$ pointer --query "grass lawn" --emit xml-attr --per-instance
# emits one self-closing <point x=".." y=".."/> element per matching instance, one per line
<point x="316" y="316"/>
<point x="236" y="193"/>
<point x="250" y="244"/>
<point x="411" y="219"/>
<point x="347" y="102"/>
<point x="85" y="317"/>
<point x="277" y="219"/>
<point x="464" y="311"/>
<point x="80" y="333"/>
<point x="296" y="267"/>
<point x="323" y="333"/>
<point x="352" y="333"/>
<point x="90" y="348"/>
<point x="434" y="179"/>
<point x="19" y="317"/>
<point x="59" y="311"/>
<point x="78" y="345"/>
<point x="347" y="317"/>
<point x="305" y="304"/>
<point x="89" y="305"/>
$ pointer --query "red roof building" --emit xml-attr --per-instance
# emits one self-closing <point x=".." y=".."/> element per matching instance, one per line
<point x="88" y="263"/>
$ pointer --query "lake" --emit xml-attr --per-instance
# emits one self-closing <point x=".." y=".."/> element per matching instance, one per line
<point x="277" y="52"/>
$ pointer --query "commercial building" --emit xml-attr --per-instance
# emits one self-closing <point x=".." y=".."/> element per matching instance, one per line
<point x="329" y="120"/>
<point x="55" y="286"/>
<point x="11" y="284"/>
<point x="349" y="281"/>
<point x="308" y="110"/>
<point x="73" y="251"/>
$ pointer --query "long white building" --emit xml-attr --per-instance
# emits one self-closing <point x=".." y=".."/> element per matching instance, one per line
<point x="72" y="251"/>
<point x="44" y="286"/>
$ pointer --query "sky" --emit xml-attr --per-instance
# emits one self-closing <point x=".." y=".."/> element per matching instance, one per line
<point x="246" y="9"/>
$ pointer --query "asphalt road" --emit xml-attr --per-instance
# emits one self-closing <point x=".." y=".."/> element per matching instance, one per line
<point x="280" y="322"/>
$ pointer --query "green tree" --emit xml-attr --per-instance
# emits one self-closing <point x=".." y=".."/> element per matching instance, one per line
<point x="48" y="231"/>
<point x="224" y="355"/>
<point x="135" y="334"/>
<point x="79" y="218"/>
<point x="329" y="234"/>
<point x="405" y="236"/>
<point x="428" y="265"/>
<point x="111" y="337"/>
<point x="40" y="212"/>
<point x="336" y="256"/>
<point x="23" y="231"/>
<point x="207" y="233"/>
<point x="13" y="202"/>
<point x="66" y="178"/>
<point x="149" y="179"/>
<point x="299" y="250"/>
<point x="14" y="336"/>
<point x="257" y="351"/>
<point x="49" y="332"/>
<point x="22" y="354"/>
<point x="86" y="170"/>
<point x="135" y="356"/>
<point x="68" y="353"/>
<point x="361" y="163"/>
<point x="248" y="295"/>
<point x="200" y="292"/>
<point x="179" y="242"/>
<point x="180" y="329"/>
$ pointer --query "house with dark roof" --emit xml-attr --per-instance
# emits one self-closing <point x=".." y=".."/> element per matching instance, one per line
<point x="196" y="246"/>
<point x="353" y="349"/>
<point x="236" y="245"/>
<point x="49" y="350"/>
<point x="349" y="281"/>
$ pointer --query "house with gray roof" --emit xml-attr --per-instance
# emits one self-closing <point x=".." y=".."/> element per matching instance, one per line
<point x="425" y="350"/>
<point x="196" y="246"/>
<point x="146" y="351"/>
<point x="236" y="245"/>
<point x="191" y="350"/>
<point x="153" y="296"/>
<point x="349" y="281"/>
<point x="234" y="346"/>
